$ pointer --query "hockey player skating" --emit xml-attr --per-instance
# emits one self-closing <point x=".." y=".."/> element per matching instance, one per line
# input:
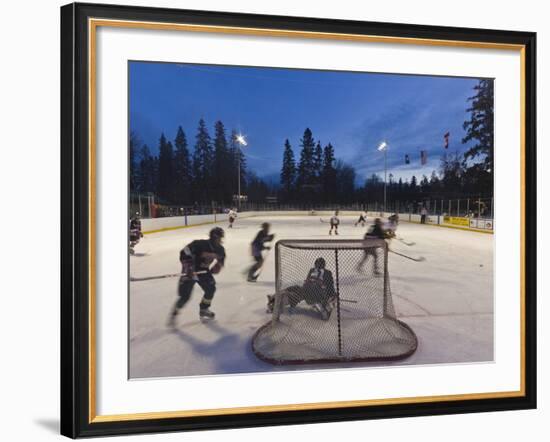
<point x="257" y="247"/>
<point x="375" y="231"/>
<point x="232" y="216"/>
<point x="362" y="219"/>
<point x="423" y="215"/>
<point x="135" y="231"/>
<point x="198" y="266"/>
<point x="317" y="291"/>
<point x="393" y="221"/>
<point x="334" y="222"/>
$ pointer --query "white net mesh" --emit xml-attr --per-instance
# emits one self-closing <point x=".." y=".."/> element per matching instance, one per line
<point x="332" y="303"/>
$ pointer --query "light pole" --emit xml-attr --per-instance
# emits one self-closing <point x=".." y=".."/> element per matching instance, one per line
<point x="240" y="142"/>
<point x="383" y="146"/>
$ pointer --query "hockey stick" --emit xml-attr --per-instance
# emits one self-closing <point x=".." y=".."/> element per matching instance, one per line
<point x="339" y="223"/>
<point x="348" y="300"/>
<point x="405" y="242"/>
<point x="169" y="275"/>
<point x="419" y="259"/>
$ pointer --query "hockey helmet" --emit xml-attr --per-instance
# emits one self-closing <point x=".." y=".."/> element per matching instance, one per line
<point x="320" y="263"/>
<point x="216" y="233"/>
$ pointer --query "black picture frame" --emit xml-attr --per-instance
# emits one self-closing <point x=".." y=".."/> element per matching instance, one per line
<point x="77" y="418"/>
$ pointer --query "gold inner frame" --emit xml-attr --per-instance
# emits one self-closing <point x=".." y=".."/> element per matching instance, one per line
<point x="93" y="24"/>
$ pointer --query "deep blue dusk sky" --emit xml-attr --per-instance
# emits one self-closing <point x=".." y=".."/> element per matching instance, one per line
<point x="353" y="111"/>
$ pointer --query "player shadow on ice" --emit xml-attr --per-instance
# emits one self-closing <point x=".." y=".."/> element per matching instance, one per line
<point x="140" y="254"/>
<point x="229" y="352"/>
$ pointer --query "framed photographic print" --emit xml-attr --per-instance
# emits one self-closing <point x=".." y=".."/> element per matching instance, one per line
<point x="274" y="220"/>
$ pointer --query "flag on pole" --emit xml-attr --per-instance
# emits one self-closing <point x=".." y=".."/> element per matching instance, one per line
<point x="423" y="157"/>
<point x="407" y="159"/>
<point x="446" y="140"/>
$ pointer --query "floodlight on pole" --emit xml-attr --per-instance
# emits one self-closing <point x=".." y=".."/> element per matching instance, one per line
<point x="241" y="142"/>
<point x="383" y="147"/>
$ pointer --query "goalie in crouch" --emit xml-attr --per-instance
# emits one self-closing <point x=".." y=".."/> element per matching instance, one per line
<point x="317" y="291"/>
<point x="198" y="266"/>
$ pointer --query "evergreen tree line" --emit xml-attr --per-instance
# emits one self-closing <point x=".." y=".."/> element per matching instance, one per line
<point x="318" y="177"/>
<point x="208" y="172"/>
<point x="180" y="176"/>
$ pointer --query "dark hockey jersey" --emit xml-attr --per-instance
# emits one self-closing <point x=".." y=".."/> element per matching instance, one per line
<point x="375" y="232"/>
<point x="135" y="224"/>
<point x="324" y="277"/>
<point x="203" y="252"/>
<point x="259" y="242"/>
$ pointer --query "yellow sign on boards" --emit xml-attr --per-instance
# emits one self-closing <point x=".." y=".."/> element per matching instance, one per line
<point x="456" y="220"/>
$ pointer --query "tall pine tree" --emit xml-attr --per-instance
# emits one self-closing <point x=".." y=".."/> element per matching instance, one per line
<point x="413" y="184"/>
<point x="288" y="172"/>
<point x="480" y="129"/>
<point x="306" y="166"/>
<point x="328" y="175"/>
<point x="318" y="161"/>
<point x="222" y="161"/>
<point x="165" y="184"/>
<point x="434" y="183"/>
<point x="147" y="171"/>
<point x="134" y="169"/>
<point x="183" y="178"/>
<point x="203" y="164"/>
<point x="345" y="182"/>
<point x="452" y="172"/>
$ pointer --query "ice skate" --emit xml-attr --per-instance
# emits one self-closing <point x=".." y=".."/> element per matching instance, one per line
<point x="270" y="303"/>
<point x="171" y="323"/>
<point x="326" y="311"/>
<point x="319" y="308"/>
<point x="206" y="314"/>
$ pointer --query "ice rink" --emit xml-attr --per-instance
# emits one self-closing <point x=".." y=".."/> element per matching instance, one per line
<point x="447" y="299"/>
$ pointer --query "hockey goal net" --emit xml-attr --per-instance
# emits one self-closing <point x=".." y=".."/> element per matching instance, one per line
<point x="332" y="304"/>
